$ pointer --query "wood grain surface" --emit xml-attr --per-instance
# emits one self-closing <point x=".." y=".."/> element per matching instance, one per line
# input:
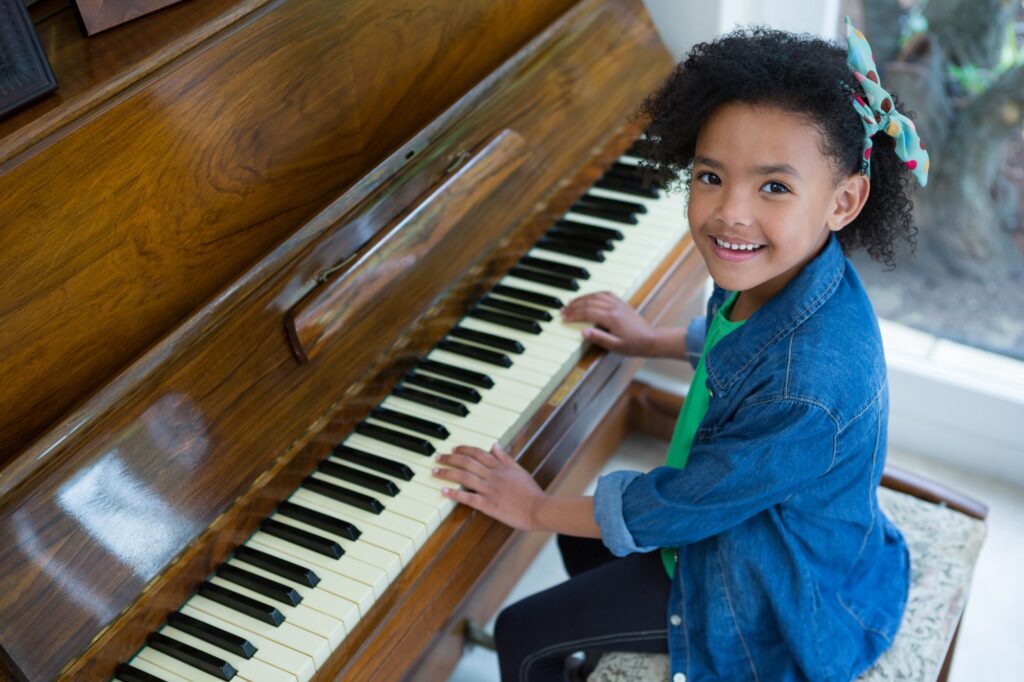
<point x="122" y="222"/>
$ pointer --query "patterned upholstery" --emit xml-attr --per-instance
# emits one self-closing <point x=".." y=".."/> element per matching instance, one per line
<point x="944" y="546"/>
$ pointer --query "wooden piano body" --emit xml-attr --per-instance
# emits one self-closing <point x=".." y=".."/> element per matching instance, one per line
<point x="230" y="234"/>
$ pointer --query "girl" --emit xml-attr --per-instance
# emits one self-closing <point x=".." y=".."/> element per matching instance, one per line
<point x="775" y="560"/>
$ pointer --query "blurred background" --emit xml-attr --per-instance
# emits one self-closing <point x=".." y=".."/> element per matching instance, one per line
<point x="952" y="314"/>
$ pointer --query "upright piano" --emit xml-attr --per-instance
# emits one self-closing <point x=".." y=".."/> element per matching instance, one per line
<point x="260" y="260"/>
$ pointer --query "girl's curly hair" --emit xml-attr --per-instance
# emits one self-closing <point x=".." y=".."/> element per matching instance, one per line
<point x="799" y="74"/>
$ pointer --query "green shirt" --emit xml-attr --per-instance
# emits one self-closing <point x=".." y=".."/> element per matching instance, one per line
<point x="695" y="407"/>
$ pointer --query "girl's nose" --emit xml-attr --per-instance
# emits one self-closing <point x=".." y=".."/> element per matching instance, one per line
<point x="733" y="208"/>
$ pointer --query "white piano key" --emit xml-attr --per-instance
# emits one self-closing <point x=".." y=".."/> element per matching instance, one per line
<point x="373" y="577"/>
<point x="173" y="665"/>
<point x="424" y="494"/>
<point x="558" y="345"/>
<point x="420" y="464"/>
<point x="286" y="634"/>
<point x="483" y="418"/>
<point x="456" y="436"/>
<point x="317" y="598"/>
<point x="400" y="545"/>
<point x="364" y="551"/>
<point x="301" y="616"/>
<point x="410" y="509"/>
<point x="251" y="669"/>
<point x="387" y="520"/>
<point x="147" y="667"/>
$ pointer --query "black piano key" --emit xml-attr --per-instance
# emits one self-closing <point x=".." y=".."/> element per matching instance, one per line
<point x="557" y="281"/>
<point x="396" y="438"/>
<point x="430" y="400"/>
<point x="324" y="521"/>
<point x="570" y="248"/>
<point x="605" y="213"/>
<point x="239" y="602"/>
<point x="595" y="231"/>
<point x="616" y="184"/>
<point x="212" y="634"/>
<point x="128" y="673"/>
<point x="297" y="536"/>
<point x="483" y="338"/>
<point x="637" y="173"/>
<point x="515" y="308"/>
<point x="555" y="267"/>
<point x="510" y="321"/>
<point x="408" y="421"/>
<point x="528" y="296"/>
<point x="465" y="375"/>
<point x="481" y="354"/>
<point x="257" y="583"/>
<point x="448" y="388"/>
<point x="189" y="655"/>
<point x="375" y="462"/>
<point x="617" y="204"/>
<point x="278" y="566"/>
<point x="343" y="495"/>
<point x="371" y="481"/>
<point x="586" y="241"/>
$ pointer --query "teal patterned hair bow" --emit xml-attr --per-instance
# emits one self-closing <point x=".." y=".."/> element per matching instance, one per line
<point x="879" y="112"/>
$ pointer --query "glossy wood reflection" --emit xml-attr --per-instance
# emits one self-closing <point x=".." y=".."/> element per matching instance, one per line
<point x="117" y="226"/>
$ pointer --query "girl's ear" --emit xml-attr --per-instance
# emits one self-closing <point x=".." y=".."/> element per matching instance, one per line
<point x="848" y="200"/>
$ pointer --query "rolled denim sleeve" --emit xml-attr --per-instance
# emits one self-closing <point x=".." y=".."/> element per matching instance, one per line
<point x="763" y="455"/>
<point x="695" y="335"/>
<point x="608" y="513"/>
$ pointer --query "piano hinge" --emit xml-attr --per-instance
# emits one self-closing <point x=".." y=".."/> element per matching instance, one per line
<point x="324" y="274"/>
<point x="458" y="161"/>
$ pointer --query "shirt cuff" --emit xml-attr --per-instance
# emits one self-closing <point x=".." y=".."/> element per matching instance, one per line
<point x="608" y="513"/>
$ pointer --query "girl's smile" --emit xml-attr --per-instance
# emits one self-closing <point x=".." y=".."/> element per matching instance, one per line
<point x="763" y="199"/>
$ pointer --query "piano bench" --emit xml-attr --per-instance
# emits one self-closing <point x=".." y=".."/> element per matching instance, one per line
<point x="944" y="546"/>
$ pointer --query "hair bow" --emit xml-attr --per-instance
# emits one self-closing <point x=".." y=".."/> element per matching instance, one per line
<point x="879" y="112"/>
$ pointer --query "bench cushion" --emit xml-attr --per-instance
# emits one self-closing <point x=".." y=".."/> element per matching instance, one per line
<point x="944" y="546"/>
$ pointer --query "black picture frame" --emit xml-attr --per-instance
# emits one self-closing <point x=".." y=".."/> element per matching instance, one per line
<point x="25" y="74"/>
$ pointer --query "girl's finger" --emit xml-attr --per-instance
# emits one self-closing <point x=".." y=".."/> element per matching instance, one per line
<point x="471" y="463"/>
<point x="474" y="500"/>
<point x="603" y="339"/>
<point x="502" y="456"/>
<point x="460" y="476"/>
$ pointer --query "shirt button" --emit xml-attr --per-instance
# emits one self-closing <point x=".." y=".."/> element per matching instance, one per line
<point x="679" y="677"/>
<point x="711" y="393"/>
<point x="675" y="620"/>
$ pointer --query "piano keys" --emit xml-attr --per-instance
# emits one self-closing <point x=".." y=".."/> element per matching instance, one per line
<point x="373" y="499"/>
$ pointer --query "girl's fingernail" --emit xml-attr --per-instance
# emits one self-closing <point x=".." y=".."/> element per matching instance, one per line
<point x="436" y="470"/>
<point x="446" y="491"/>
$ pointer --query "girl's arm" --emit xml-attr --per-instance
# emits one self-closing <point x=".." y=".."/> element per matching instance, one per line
<point x="625" y="331"/>
<point x="497" y="486"/>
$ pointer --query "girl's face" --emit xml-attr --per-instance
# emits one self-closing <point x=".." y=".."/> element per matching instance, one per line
<point x="759" y="177"/>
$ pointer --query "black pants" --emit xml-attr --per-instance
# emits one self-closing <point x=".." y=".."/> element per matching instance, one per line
<point x="608" y="604"/>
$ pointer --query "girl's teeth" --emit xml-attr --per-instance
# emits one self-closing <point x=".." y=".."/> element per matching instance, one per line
<point x="736" y="247"/>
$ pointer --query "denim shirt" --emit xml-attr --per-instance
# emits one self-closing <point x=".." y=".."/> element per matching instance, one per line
<point x="788" y="569"/>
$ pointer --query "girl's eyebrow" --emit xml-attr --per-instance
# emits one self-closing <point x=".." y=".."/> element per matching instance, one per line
<point x="773" y="169"/>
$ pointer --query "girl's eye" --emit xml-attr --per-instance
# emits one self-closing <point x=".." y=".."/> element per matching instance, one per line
<point x="775" y="187"/>
<point x="709" y="178"/>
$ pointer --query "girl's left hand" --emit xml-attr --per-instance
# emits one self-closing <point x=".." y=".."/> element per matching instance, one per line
<point x="496" y="485"/>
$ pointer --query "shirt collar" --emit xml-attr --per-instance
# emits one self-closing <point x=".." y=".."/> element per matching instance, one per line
<point x="737" y="352"/>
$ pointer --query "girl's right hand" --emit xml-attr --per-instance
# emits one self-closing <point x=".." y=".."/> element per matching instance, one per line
<point x="625" y="332"/>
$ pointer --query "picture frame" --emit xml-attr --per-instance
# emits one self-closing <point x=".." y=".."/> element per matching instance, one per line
<point x="25" y="73"/>
<point x="99" y="15"/>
